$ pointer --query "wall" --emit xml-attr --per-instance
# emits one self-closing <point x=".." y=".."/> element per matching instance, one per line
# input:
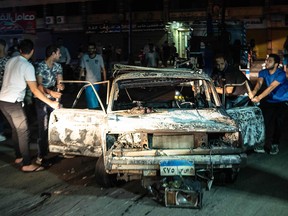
<point x="262" y="37"/>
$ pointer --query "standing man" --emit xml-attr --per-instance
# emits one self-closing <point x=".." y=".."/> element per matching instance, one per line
<point x="19" y="73"/>
<point x="273" y="102"/>
<point x="3" y="60"/>
<point x="165" y="53"/>
<point x="64" y="59"/>
<point x="152" y="57"/>
<point x="94" y="66"/>
<point x="49" y="75"/>
<point x="226" y="74"/>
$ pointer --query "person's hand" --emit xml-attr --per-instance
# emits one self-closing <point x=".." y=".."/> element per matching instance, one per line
<point x="60" y="86"/>
<point x="219" y="90"/>
<point x="255" y="99"/>
<point x="251" y="95"/>
<point x="55" y="104"/>
<point x="55" y="94"/>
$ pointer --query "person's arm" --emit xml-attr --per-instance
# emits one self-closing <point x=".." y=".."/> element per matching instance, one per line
<point x="47" y="91"/>
<point x="266" y="92"/>
<point x="82" y="74"/>
<point x="104" y="73"/>
<point x="103" y="69"/>
<point x="82" y="71"/>
<point x="34" y="89"/>
<point x="220" y="83"/>
<point x="235" y="76"/>
<point x="59" y="85"/>
<point x="256" y="88"/>
<point x="228" y="90"/>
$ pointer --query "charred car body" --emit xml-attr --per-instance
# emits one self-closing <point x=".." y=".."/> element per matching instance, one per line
<point x="166" y="127"/>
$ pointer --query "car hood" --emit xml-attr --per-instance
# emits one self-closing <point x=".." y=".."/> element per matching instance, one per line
<point x="212" y="120"/>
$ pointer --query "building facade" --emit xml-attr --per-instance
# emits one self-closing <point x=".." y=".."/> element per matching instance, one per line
<point x="130" y="24"/>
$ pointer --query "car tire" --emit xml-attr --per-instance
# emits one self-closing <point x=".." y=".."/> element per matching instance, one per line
<point x="231" y="175"/>
<point x="102" y="177"/>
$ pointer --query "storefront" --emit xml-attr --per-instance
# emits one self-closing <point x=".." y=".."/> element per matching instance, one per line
<point x="17" y="25"/>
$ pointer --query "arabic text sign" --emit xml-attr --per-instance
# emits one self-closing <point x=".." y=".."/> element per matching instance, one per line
<point x="18" y="23"/>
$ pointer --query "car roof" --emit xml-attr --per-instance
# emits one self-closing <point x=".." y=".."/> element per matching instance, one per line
<point x="134" y="72"/>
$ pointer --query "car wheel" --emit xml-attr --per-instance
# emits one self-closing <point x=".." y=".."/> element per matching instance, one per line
<point x="231" y="175"/>
<point x="226" y="176"/>
<point x="102" y="177"/>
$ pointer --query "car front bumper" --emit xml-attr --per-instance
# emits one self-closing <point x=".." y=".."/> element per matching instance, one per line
<point x="148" y="164"/>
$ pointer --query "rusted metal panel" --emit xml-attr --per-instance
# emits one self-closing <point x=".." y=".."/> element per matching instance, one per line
<point x="144" y="163"/>
<point x="89" y="151"/>
<point x="175" y="152"/>
<point x="211" y="120"/>
<point x="76" y="131"/>
<point x="251" y="123"/>
<point x="173" y="141"/>
<point x="155" y="115"/>
<point x="167" y="125"/>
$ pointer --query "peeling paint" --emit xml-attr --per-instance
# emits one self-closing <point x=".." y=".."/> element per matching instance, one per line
<point x="182" y="120"/>
<point x="158" y="105"/>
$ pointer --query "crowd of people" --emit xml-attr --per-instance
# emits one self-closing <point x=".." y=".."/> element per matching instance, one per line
<point x="270" y="92"/>
<point x="18" y="74"/>
<point x="19" y="77"/>
<point x="154" y="56"/>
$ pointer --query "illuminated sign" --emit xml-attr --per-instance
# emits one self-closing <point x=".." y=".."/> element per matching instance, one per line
<point x="18" y="23"/>
<point x="109" y="28"/>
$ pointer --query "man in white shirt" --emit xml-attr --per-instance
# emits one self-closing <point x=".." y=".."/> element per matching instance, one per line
<point x="19" y="73"/>
<point x="93" y="64"/>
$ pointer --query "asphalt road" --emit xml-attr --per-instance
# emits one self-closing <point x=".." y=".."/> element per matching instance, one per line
<point x="68" y="187"/>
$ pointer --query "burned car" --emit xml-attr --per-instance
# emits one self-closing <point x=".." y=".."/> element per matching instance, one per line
<point x="166" y="127"/>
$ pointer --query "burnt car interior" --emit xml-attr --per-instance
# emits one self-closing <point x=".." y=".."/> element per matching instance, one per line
<point x="163" y="93"/>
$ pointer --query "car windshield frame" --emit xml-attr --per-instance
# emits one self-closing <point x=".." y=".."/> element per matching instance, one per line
<point x="146" y="90"/>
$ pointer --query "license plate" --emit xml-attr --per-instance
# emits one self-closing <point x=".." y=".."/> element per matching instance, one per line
<point x="177" y="167"/>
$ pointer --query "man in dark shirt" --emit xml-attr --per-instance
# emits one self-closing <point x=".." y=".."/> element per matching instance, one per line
<point x="227" y="74"/>
<point x="3" y="60"/>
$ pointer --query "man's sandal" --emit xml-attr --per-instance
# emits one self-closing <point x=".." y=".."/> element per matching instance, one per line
<point x="36" y="169"/>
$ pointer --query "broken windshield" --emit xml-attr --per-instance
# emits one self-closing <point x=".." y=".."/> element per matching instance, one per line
<point x="164" y="93"/>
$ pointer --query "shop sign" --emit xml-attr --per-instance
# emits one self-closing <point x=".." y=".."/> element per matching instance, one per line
<point x="152" y="26"/>
<point x="255" y="23"/>
<point x="104" y="28"/>
<point x="18" y="23"/>
<point x="110" y="28"/>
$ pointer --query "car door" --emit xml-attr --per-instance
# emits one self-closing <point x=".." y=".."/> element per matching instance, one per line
<point x="250" y="120"/>
<point x="78" y="131"/>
